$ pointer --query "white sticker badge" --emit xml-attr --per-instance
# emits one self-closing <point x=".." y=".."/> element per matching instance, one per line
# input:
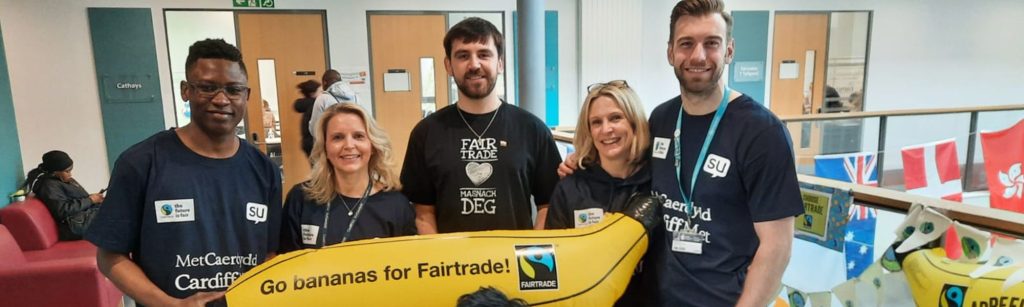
<point x="660" y="147"/>
<point x="716" y="165"/>
<point x="310" y="233"/>
<point x="587" y="217"/>
<point x="175" y="210"/>
<point x="256" y="212"/>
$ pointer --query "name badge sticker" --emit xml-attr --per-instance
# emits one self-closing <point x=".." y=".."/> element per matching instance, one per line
<point x="660" y="147"/>
<point x="587" y="217"/>
<point x="687" y="242"/>
<point x="175" y="210"/>
<point x="310" y="233"/>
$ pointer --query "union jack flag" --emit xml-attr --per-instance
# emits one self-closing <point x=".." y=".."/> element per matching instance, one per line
<point x="859" y="168"/>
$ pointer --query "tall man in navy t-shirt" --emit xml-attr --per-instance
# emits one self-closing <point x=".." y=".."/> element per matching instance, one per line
<point x="191" y="209"/>
<point x="475" y="165"/>
<point x="727" y="233"/>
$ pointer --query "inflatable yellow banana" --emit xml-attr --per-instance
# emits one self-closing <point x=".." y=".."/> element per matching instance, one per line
<point x="585" y="267"/>
<point x="938" y="281"/>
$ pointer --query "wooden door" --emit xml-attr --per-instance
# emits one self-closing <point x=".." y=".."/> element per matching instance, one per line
<point x="290" y="46"/>
<point x="398" y="44"/>
<point x="800" y="39"/>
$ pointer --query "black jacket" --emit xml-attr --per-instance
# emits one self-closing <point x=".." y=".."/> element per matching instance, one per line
<point x="66" y="201"/>
<point x="593" y="188"/>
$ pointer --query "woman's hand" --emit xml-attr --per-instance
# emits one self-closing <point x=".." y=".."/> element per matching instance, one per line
<point x="96" y="198"/>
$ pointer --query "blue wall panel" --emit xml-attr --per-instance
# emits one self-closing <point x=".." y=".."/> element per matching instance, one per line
<point x="127" y="75"/>
<point x="750" y="31"/>
<point x="10" y="157"/>
<point x="550" y="64"/>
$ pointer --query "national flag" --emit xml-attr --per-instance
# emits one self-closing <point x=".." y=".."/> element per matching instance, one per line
<point x="933" y="170"/>
<point x="860" y="239"/>
<point x="1004" y="153"/>
<point x="859" y="168"/>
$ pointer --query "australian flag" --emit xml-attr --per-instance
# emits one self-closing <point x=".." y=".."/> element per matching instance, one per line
<point x="860" y="168"/>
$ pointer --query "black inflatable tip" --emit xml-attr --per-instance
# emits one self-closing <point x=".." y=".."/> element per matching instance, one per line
<point x="643" y="207"/>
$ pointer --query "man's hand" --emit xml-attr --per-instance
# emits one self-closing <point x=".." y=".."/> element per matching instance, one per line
<point x="96" y="198"/>
<point x="199" y="299"/>
<point x="568" y="166"/>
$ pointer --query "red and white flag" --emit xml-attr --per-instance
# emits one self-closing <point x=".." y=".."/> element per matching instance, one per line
<point x="1004" y="153"/>
<point x="932" y="170"/>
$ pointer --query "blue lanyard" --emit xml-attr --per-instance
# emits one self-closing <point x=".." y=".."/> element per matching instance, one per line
<point x="703" y="150"/>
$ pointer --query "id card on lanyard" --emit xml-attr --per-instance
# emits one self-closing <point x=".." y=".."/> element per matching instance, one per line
<point x="687" y="239"/>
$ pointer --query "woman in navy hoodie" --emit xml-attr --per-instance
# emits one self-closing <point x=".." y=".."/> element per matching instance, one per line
<point x="611" y="145"/>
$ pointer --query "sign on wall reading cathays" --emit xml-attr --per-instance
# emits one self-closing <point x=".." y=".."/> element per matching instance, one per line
<point x="253" y="3"/>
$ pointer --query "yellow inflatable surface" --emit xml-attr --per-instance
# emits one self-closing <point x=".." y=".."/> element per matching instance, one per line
<point x="938" y="281"/>
<point x="574" y="267"/>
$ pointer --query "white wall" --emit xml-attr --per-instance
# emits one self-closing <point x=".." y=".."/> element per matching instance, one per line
<point x="53" y="78"/>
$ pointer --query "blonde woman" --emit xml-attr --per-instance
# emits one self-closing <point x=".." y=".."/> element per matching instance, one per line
<point x="352" y="193"/>
<point x="611" y="142"/>
<point x="611" y="146"/>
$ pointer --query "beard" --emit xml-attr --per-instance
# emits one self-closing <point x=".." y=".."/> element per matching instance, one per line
<point x="698" y="87"/>
<point x="476" y="92"/>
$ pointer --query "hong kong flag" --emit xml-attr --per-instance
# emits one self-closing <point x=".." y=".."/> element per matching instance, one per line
<point x="932" y="170"/>
<point x="1004" y="153"/>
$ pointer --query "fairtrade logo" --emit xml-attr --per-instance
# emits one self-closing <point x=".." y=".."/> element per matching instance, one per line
<point x="970" y="247"/>
<point x="952" y="295"/>
<point x="797" y="299"/>
<point x="927" y="227"/>
<point x="1004" y="261"/>
<point x="1013" y="182"/>
<point x="167" y="209"/>
<point x="808" y="220"/>
<point x="889" y="261"/>
<point x="909" y="230"/>
<point x="538" y="269"/>
<point x="582" y="217"/>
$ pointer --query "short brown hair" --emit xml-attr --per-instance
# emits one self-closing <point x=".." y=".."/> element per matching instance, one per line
<point x="474" y="29"/>
<point x="698" y="8"/>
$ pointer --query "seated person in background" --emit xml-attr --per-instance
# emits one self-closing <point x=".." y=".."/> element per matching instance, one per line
<point x="71" y="206"/>
<point x="353" y="190"/>
<point x="833" y="101"/>
<point x="611" y="141"/>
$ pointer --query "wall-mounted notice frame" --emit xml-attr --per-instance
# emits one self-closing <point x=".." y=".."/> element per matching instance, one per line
<point x="396" y="80"/>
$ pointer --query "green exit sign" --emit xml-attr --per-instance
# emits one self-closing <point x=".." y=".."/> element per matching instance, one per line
<point x="253" y="3"/>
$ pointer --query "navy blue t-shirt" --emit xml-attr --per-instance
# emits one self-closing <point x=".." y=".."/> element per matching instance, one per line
<point x="192" y="223"/>
<point x="385" y="214"/>
<point x="755" y="181"/>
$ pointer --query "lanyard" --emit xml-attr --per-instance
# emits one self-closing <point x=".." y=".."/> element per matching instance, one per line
<point x="703" y="150"/>
<point x="359" y="208"/>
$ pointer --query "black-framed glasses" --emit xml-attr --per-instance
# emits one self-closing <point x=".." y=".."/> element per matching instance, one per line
<point x="613" y="83"/>
<point x="207" y="90"/>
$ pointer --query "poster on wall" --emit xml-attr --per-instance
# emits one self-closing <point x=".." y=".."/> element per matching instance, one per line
<point x="358" y="80"/>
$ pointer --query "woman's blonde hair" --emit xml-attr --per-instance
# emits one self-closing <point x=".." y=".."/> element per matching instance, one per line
<point x="627" y="100"/>
<point x="321" y="185"/>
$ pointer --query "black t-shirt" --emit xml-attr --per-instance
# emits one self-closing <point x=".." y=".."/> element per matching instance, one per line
<point x="486" y="183"/>
<point x="191" y="223"/>
<point x="385" y="214"/>
<point x="755" y="181"/>
<point x="581" y="199"/>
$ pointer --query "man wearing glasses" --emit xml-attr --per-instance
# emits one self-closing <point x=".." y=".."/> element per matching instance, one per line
<point x="191" y="209"/>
